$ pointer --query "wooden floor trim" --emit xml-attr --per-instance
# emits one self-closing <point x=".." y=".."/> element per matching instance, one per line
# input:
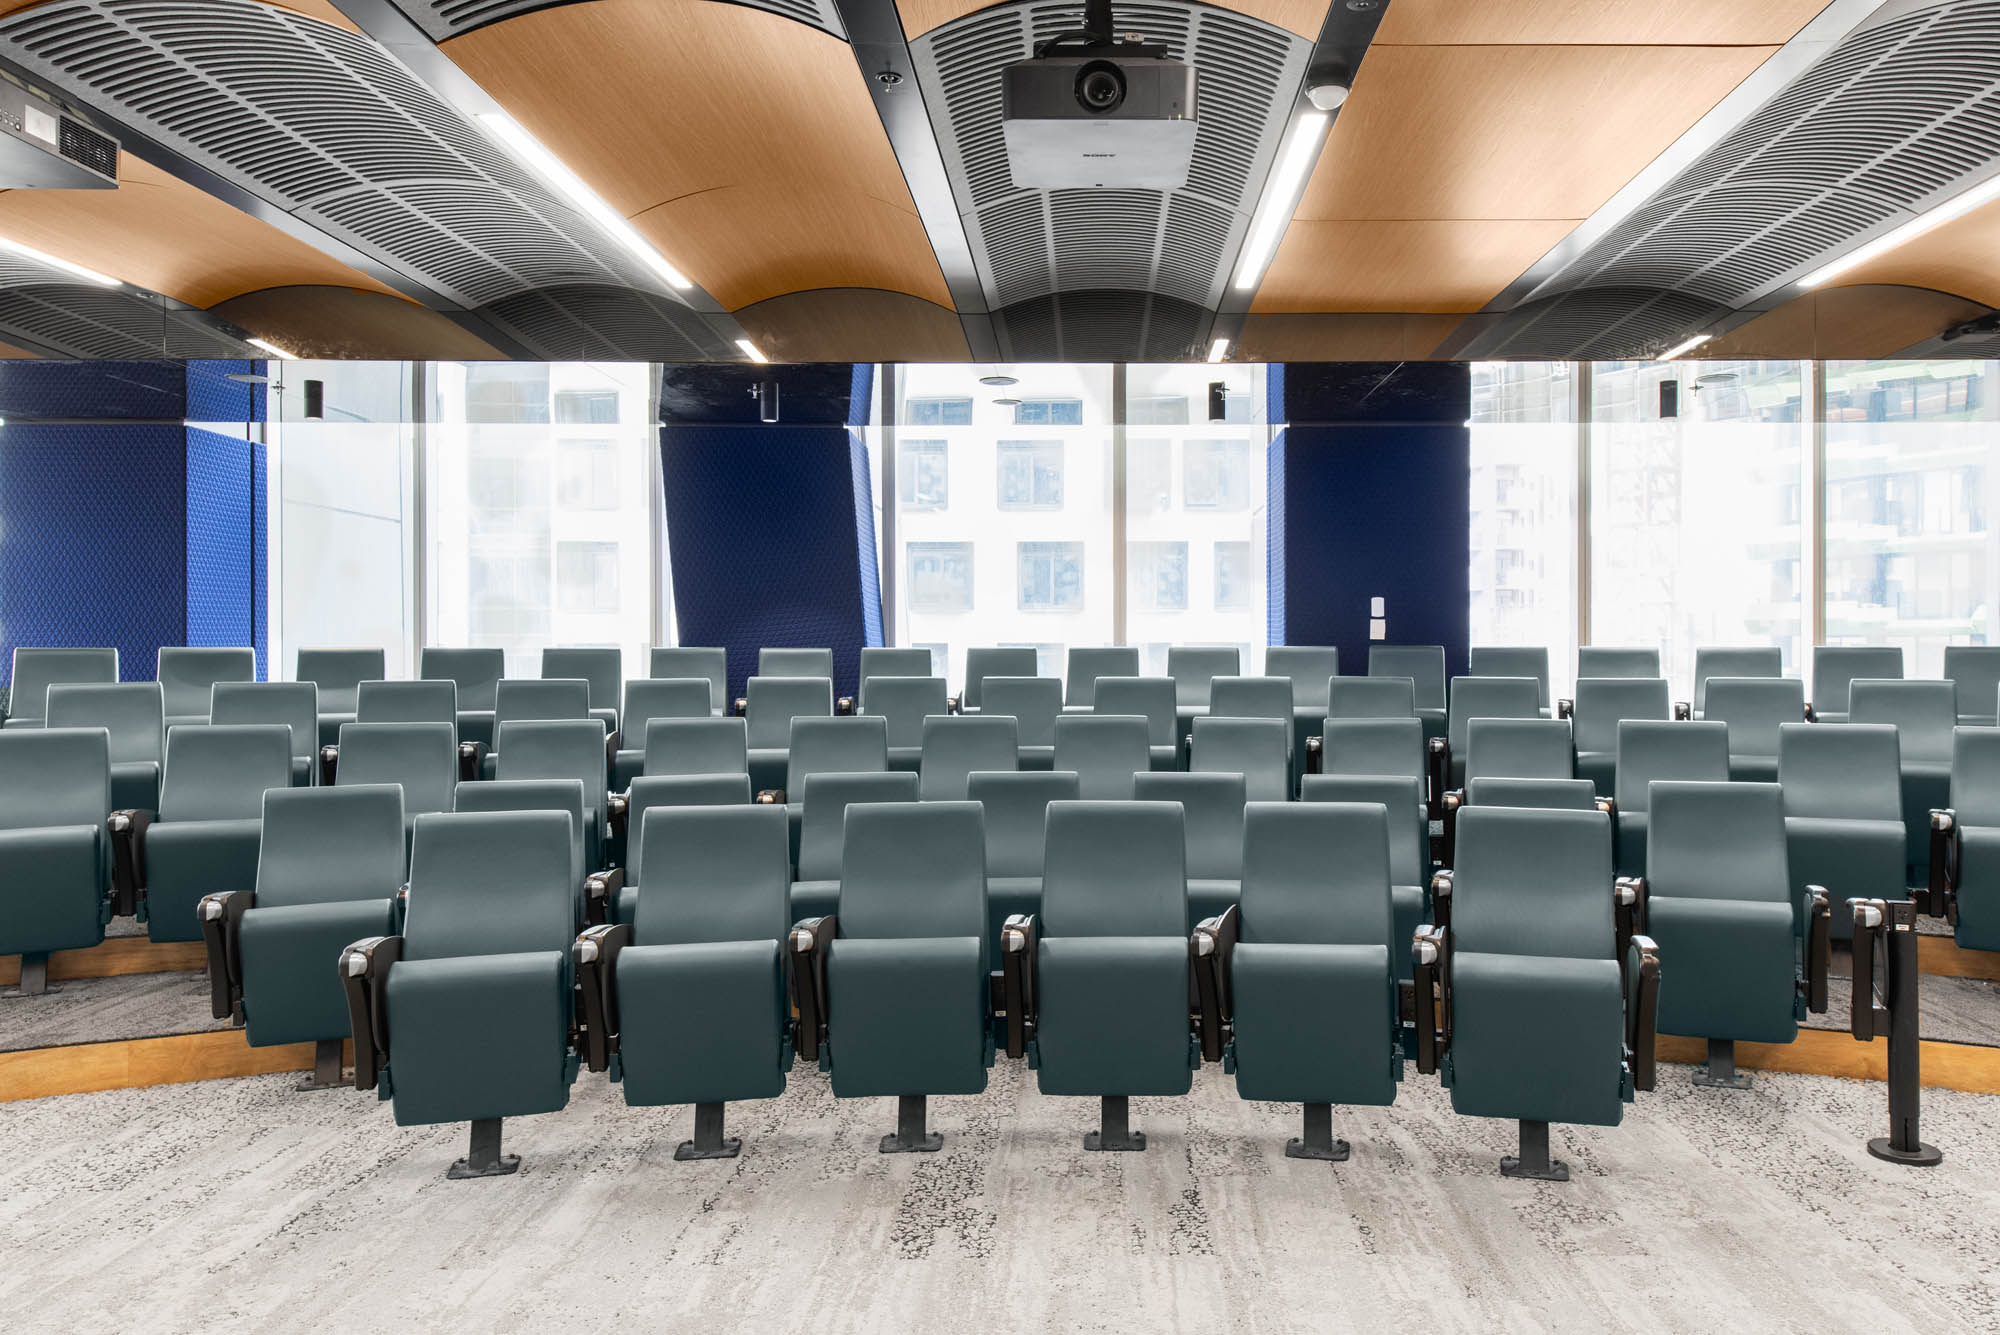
<point x="1961" y="1066"/>
<point x="87" y="1067"/>
<point x="116" y="956"/>
<point x="1940" y="954"/>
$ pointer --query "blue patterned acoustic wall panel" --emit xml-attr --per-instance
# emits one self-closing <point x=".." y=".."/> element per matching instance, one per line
<point x="859" y="400"/>
<point x="221" y="533"/>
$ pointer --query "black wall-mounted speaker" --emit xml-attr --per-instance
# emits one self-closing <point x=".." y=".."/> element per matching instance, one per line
<point x="1670" y="399"/>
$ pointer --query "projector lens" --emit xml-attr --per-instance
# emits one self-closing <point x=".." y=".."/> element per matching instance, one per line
<point x="1100" y="86"/>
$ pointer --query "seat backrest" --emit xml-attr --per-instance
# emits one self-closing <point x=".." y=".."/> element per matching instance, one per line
<point x="956" y="746"/>
<point x="1509" y="660"/>
<point x="1251" y="697"/>
<point x="1976" y="670"/>
<point x="697" y="746"/>
<point x="1837" y="665"/>
<point x="339" y="673"/>
<point x="476" y="672"/>
<point x="664" y="662"/>
<point x="555" y="749"/>
<point x="1518" y="748"/>
<point x="1488" y="697"/>
<point x="1371" y="697"/>
<point x="1547" y="794"/>
<point x="1212" y="808"/>
<point x="1017" y="815"/>
<point x="187" y="673"/>
<point x="489" y="883"/>
<point x="1923" y="713"/>
<point x="1372" y="746"/>
<point x="1604" y="702"/>
<point x="994" y="661"/>
<point x="220" y="771"/>
<point x="564" y="795"/>
<point x="601" y="668"/>
<point x="1845" y="772"/>
<point x="1596" y="660"/>
<point x="1089" y="662"/>
<point x="648" y="698"/>
<point x="1256" y="748"/>
<point x="1104" y="751"/>
<point x="519" y="699"/>
<point x="771" y="703"/>
<point x="421" y="758"/>
<point x="795" y="663"/>
<point x="54" y="777"/>
<point x="1649" y="750"/>
<point x="915" y="869"/>
<point x="1530" y="882"/>
<point x="725" y="875"/>
<point x="822" y="826"/>
<point x="903" y="703"/>
<point x="327" y="845"/>
<point x="406" y="702"/>
<point x="1316" y="875"/>
<point x="35" y="670"/>
<point x="1402" y="796"/>
<point x="1151" y="698"/>
<point x="1755" y="661"/>
<point x="1718" y="841"/>
<point x="835" y="746"/>
<point x="682" y="790"/>
<point x="1194" y="666"/>
<point x="904" y="662"/>
<point x="1423" y="664"/>
<point x="1975" y="776"/>
<point x="1308" y="667"/>
<point x="1034" y="703"/>
<point x="292" y="703"/>
<point x="1755" y="708"/>
<point x="1115" y="869"/>
<point x="133" y="713"/>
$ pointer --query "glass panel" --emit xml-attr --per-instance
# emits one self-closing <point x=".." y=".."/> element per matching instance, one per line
<point x="923" y="474"/>
<point x="1522" y="526"/>
<point x="1157" y="576"/>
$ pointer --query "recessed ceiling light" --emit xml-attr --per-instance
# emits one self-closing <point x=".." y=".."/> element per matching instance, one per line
<point x="1951" y="208"/>
<point x="57" y="262"/>
<point x="1281" y="198"/>
<point x="245" y="378"/>
<point x="998" y="380"/>
<point x="1684" y="346"/>
<point x="1007" y="403"/>
<point x="1218" y="349"/>
<point x="749" y="350"/>
<point x="273" y="349"/>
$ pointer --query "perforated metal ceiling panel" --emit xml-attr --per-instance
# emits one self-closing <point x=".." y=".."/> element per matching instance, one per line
<point x="449" y="18"/>
<point x="1031" y="244"/>
<point x="1902" y="112"/>
<point x="46" y="307"/>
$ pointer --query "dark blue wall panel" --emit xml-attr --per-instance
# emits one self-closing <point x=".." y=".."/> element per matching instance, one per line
<point x="221" y="539"/>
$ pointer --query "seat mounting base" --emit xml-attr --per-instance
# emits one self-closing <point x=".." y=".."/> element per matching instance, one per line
<point x="1318" y="1141"/>
<point x="485" y="1160"/>
<point x="910" y="1137"/>
<point x="708" y="1142"/>
<point x="1923" y="1156"/>
<point x="327" y="1072"/>
<point x="1114" y="1127"/>
<point x="1720" y="1071"/>
<point x="1533" y="1162"/>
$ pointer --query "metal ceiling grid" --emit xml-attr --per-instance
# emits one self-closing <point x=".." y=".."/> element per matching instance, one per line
<point x="444" y="19"/>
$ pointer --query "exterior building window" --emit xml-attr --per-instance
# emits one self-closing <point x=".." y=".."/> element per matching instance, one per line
<point x="1051" y="575"/>
<point x="940" y="576"/>
<point x="1048" y="412"/>
<point x="588" y="476"/>
<point x="587" y="576"/>
<point x="1031" y="474"/>
<point x="951" y="411"/>
<point x="1234" y="576"/>
<point x="923" y="474"/>
<point x="1215" y="474"/>
<point x="595" y="406"/>
<point x="1158" y="581"/>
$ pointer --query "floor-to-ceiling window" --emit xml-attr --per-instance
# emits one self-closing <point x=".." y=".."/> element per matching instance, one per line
<point x="1522" y="521"/>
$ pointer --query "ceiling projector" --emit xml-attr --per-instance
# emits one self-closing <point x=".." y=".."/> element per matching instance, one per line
<point x="1093" y="110"/>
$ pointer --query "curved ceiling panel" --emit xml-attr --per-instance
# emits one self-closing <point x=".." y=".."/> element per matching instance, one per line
<point x="449" y="18"/>
<point x="1846" y="322"/>
<point x="323" y="10"/>
<point x="1957" y="257"/>
<point x="599" y="323"/>
<point x="657" y="102"/>
<point x="1424" y="265"/>
<point x="1301" y="17"/>
<point x="1343" y="338"/>
<point x="341" y="323"/>
<point x="1594" y="22"/>
<point x="853" y="324"/>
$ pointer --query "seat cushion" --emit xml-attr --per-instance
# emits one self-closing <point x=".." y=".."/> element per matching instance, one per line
<point x="52" y="889"/>
<point x="479" y="1036"/>
<point x="1114" y="1016"/>
<point x="701" y="1023"/>
<point x="1537" y="1038"/>
<point x="1315" y="1024"/>
<point x="188" y="859"/>
<point x="1853" y="859"/>
<point x="1732" y="972"/>
<point x="291" y="980"/>
<point x="908" y="1016"/>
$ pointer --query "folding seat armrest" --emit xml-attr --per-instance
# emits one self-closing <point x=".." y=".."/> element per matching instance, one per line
<point x="1441" y="899"/>
<point x="221" y="926"/>
<point x="1430" y="953"/>
<point x="1867" y="1019"/>
<point x="1642" y="1010"/>
<point x="844" y="706"/>
<point x="805" y="972"/>
<point x="595" y="955"/>
<point x="600" y="890"/>
<point x="1212" y="949"/>
<point x="471" y="760"/>
<point x="1940" y="896"/>
<point x="1683" y="711"/>
<point x="771" y="797"/>
<point x="1816" y="950"/>
<point x="1628" y="900"/>
<point x="329" y="765"/>
<point x="1448" y="807"/>
<point x="1314" y="759"/>
<point x="617" y="811"/>
<point x="1020" y="937"/>
<point x="1565" y="708"/>
<point x="1439" y="756"/>
<point x="127" y="830"/>
<point x="955" y="704"/>
<point x="740" y="706"/>
<point x="1609" y="806"/>
<point x="364" y="976"/>
<point x="1811" y="715"/>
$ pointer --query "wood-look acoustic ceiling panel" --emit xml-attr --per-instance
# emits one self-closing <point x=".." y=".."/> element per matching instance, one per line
<point x="1300" y="17"/>
<point x="1956" y="257"/>
<point x="744" y="145"/>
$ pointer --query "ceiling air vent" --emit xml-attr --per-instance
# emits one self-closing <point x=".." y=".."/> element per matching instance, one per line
<point x="43" y="149"/>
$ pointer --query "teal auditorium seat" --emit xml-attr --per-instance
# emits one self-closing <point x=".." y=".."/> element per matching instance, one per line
<point x="211" y="816"/>
<point x="1253" y="747"/>
<point x="1843" y="813"/>
<point x="1017" y="812"/>
<point x="1194" y="669"/>
<point x="1308" y="668"/>
<point x="1602" y="703"/>
<point x="1512" y="661"/>
<point x="770" y="704"/>
<point x="469" y="1011"/>
<point x="1254" y="697"/>
<point x="984" y="662"/>
<point x="134" y="716"/>
<point x="668" y="790"/>
<point x="646" y="699"/>
<point x="832" y="746"/>
<point x="1034" y="703"/>
<point x="564" y="795"/>
<point x="1097" y="983"/>
<point x="55" y="858"/>
<point x="1372" y="697"/>
<point x="1372" y="746"/>
<point x="1965" y="872"/>
<point x="408" y="702"/>
<point x="1975" y="670"/>
<point x="35" y="670"/>
<point x="697" y="746"/>
<point x="338" y="673"/>
<point x="823" y="832"/>
<point x="1743" y="662"/>
<point x="523" y="700"/>
<point x="601" y="669"/>
<point x="1478" y="698"/>
<point x="419" y="758"/>
<point x="1150" y="698"/>
<point x="958" y="746"/>
<point x="1649" y="751"/>
<point x="328" y="871"/>
<point x="1423" y="664"/>
<point x="1402" y="798"/>
<point x="1519" y="748"/>
<point x="292" y="703"/>
<point x="562" y="749"/>
<point x="1297" y="984"/>
<point x="1106" y="752"/>
<point x="880" y="662"/>
<point x="664" y="663"/>
<point x="897" y="990"/>
<point x="1212" y="819"/>
<point x="1086" y="664"/>
<point x="1545" y="794"/>
<point x="1542" y="1019"/>
<point x="187" y="675"/>
<point x="1605" y="661"/>
<point x="795" y="663"/>
<point x="687" y="1004"/>
<point x="1755" y="709"/>
<point x="1837" y="666"/>
<point x="476" y="674"/>
<point x="903" y="703"/>
<point x="1924" y="715"/>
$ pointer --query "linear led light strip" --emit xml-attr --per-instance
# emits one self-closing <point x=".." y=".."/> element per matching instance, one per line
<point x="1684" y="346"/>
<point x="1957" y="206"/>
<point x="273" y="349"/>
<point x="1281" y="198"/>
<point x="57" y="262"/>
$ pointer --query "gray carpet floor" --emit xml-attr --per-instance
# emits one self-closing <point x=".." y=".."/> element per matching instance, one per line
<point x="241" y="1205"/>
<point x="103" y="1010"/>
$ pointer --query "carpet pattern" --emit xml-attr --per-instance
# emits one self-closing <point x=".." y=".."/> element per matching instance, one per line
<point x="104" y="1010"/>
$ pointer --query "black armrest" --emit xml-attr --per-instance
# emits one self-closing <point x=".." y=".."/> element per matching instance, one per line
<point x="617" y="811"/>
<point x="1187" y="752"/>
<point x="1019" y="938"/>
<point x="596" y="956"/>
<point x="1940" y="896"/>
<point x="329" y="765"/>
<point x="364" y="976"/>
<point x="1817" y="949"/>
<point x="1628" y="913"/>
<point x="127" y="830"/>
<point x="1315" y="757"/>
<point x="1212" y="949"/>
<point x="1439" y="756"/>
<point x="1565" y="708"/>
<point x="1450" y="804"/>
<point x="1811" y="716"/>
<point x="600" y="891"/>
<point x="221" y="920"/>
<point x="742" y="705"/>
<point x="843" y="707"/>
<point x="805" y="969"/>
<point x="771" y="797"/>
<point x="1441" y="899"/>
<point x="1683" y="711"/>
<point x="955" y="705"/>
<point x="1609" y="806"/>
<point x="1430" y="951"/>
<point x="1866" y="1020"/>
<point x="471" y="760"/>
<point x="1642" y="1011"/>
